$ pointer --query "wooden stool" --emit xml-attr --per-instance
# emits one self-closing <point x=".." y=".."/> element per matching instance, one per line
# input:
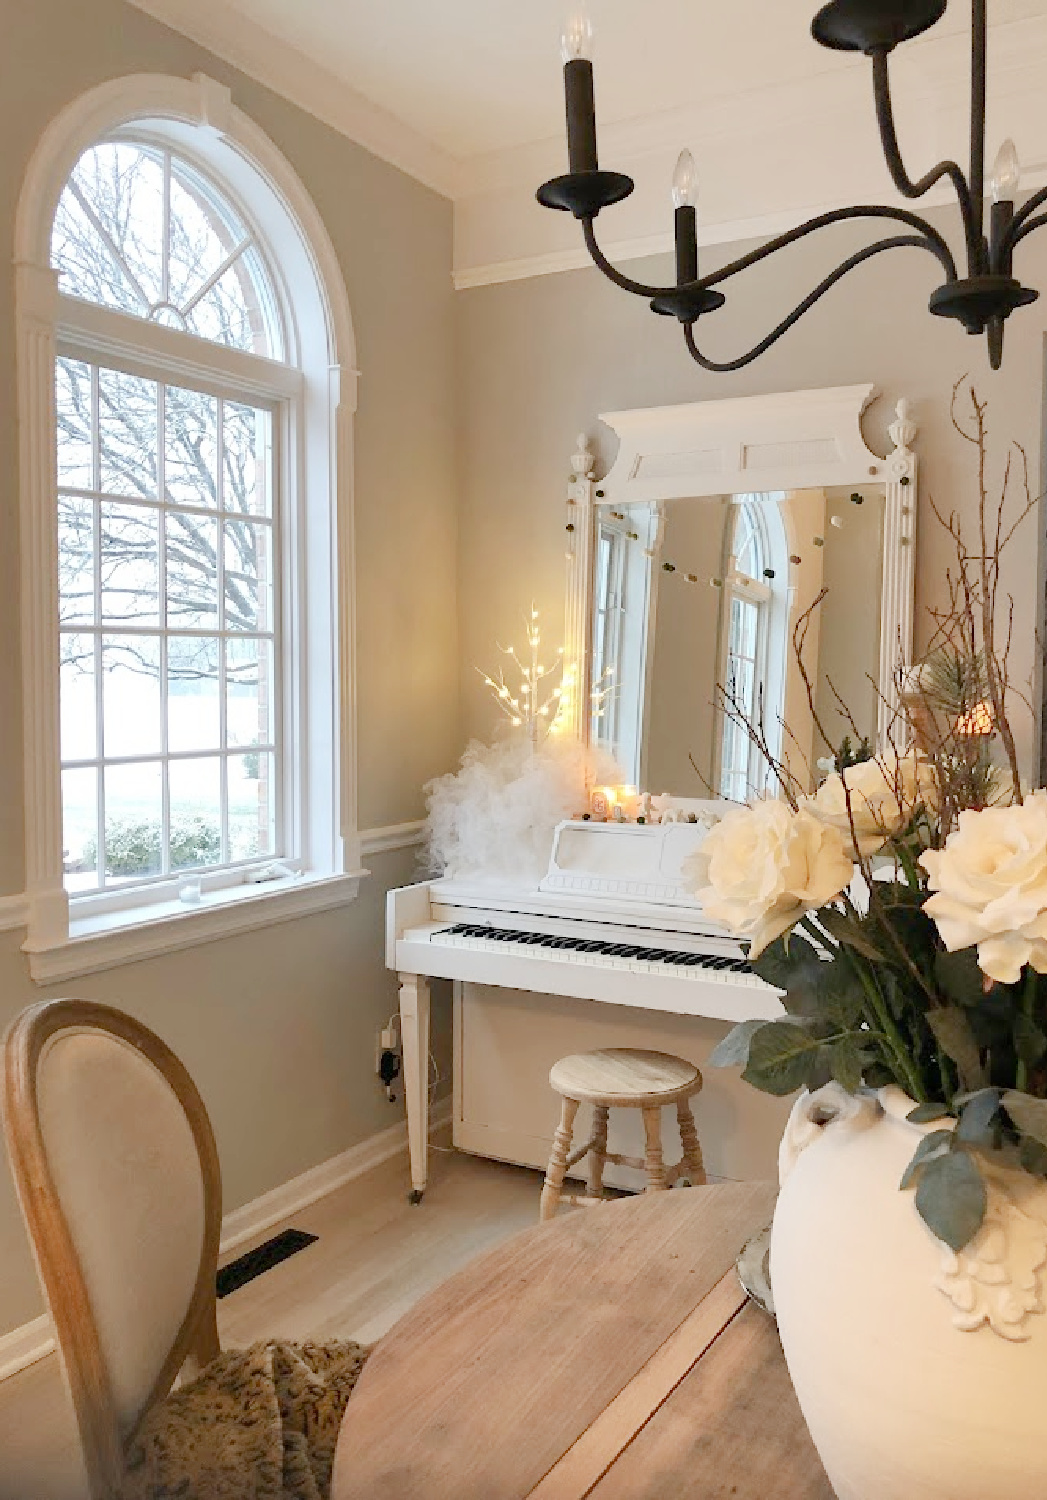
<point x="622" y="1078"/>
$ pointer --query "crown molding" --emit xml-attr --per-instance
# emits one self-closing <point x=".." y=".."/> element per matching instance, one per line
<point x="796" y="149"/>
<point x="238" y="40"/>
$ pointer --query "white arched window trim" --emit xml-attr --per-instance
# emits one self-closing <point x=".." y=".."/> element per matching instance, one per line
<point x="318" y="385"/>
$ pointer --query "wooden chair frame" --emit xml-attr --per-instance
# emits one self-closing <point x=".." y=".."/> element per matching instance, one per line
<point x="104" y="1445"/>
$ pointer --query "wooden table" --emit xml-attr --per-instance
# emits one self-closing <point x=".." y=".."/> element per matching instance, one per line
<point x="609" y="1354"/>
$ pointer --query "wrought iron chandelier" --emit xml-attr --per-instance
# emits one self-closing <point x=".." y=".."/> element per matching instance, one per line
<point x="981" y="301"/>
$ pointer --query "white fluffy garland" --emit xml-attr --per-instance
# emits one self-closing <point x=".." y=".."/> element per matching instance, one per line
<point x="495" y="817"/>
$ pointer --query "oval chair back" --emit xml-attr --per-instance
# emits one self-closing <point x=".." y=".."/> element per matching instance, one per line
<point x="117" y="1176"/>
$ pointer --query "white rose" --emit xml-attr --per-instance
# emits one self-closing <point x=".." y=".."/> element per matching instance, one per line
<point x="762" y="867"/>
<point x="990" y="882"/>
<point x="884" y="796"/>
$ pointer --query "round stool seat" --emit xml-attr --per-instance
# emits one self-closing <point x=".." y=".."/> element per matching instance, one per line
<point x="622" y="1076"/>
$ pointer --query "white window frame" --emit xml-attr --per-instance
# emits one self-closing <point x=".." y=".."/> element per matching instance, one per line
<point x="315" y="394"/>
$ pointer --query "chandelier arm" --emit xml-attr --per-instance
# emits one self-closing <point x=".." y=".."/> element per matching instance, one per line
<point x="900" y="177"/>
<point x="1016" y="228"/>
<point x="638" y="288"/>
<point x="1027" y="227"/>
<point x="726" y="367"/>
<point x="927" y="235"/>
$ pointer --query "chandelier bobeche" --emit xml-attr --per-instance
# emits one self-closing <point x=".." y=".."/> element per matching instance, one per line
<point x="981" y="301"/>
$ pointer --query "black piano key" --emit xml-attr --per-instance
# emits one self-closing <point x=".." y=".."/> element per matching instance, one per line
<point x="562" y="942"/>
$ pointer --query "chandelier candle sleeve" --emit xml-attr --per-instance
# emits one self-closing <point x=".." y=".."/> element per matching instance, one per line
<point x="578" y="89"/>
<point x="685" y="203"/>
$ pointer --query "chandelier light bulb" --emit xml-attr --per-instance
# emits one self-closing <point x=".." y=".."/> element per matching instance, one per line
<point x="1006" y="173"/>
<point x="685" y="181"/>
<point x="576" y="40"/>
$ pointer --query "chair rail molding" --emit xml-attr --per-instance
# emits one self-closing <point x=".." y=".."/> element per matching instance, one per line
<point x="197" y="118"/>
<point x="793" y="440"/>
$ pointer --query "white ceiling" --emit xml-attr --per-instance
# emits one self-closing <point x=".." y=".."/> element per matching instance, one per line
<point x="474" y="76"/>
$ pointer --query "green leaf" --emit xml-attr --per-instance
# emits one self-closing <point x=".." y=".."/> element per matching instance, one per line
<point x="847" y="1062"/>
<point x="1029" y="1114"/>
<point x="953" y="1033"/>
<point x="925" y="1114"/>
<point x="795" y="967"/>
<point x="978" y="1119"/>
<point x="933" y="1145"/>
<point x="951" y="1198"/>
<point x="782" y="1058"/>
<point x="959" y="977"/>
<point x="733" y="1051"/>
<point x="1029" y="1041"/>
<point x="850" y="933"/>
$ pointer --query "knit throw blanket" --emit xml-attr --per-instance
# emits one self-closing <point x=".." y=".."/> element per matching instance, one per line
<point x="256" y="1424"/>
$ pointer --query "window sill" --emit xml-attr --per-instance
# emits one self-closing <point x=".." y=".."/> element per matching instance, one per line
<point x="105" y="940"/>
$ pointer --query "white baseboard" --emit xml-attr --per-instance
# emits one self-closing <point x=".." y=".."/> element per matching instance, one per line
<point x="33" y="1341"/>
<point x="23" y="1346"/>
<point x="262" y="1213"/>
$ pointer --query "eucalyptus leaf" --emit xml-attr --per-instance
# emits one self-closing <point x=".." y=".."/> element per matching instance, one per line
<point x="733" y="1051"/>
<point x="951" y="1198"/>
<point x="782" y="1058"/>
<point x="978" y="1123"/>
<point x="1033" y="1156"/>
<point x="1029" y="1114"/>
<point x="850" y="933"/>
<point x="925" y="1114"/>
<point x="933" y="1145"/>
<point x="952" y="1030"/>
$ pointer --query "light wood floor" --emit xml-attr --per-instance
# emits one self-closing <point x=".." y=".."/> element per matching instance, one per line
<point x="376" y="1256"/>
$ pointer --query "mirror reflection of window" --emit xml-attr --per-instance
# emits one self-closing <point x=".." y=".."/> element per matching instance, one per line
<point x="609" y="595"/>
<point x="746" y="630"/>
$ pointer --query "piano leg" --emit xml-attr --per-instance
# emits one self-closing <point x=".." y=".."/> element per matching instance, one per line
<point x="414" y="1031"/>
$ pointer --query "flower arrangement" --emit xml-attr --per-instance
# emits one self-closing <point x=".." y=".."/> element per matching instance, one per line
<point x="902" y="907"/>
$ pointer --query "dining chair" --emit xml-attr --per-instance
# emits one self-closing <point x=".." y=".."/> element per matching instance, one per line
<point x="117" y="1176"/>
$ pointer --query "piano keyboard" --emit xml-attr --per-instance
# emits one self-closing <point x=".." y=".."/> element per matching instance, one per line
<point x="607" y="953"/>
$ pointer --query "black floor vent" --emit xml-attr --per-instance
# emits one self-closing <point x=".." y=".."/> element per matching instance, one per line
<point x="262" y="1258"/>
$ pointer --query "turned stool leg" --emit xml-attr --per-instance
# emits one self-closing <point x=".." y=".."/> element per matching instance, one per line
<point x="598" y="1153"/>
<point x="557" y="1168"/>
<point x="654" y="1166"/>
<point x="692" y="1150"/>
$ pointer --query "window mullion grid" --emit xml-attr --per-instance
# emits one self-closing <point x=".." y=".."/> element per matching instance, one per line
<point x="223" y="646"/>
<point x="161" y="544"/>
<point x="96" y="531"/>
<point x="165" y="284"/>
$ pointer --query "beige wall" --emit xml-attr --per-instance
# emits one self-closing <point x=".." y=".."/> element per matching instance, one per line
<point x="277" y="1026"/>
<point x="849" y="646"/>
<point x="539" y="359"/>
<point x="685" y="669"/>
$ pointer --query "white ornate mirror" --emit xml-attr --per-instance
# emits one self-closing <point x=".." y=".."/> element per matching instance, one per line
<point x="690" y="564"/>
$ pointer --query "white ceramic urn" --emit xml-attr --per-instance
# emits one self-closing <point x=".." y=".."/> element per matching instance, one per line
<point x="921" y="1374"/>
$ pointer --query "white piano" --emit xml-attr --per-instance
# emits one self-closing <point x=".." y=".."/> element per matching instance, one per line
<point x="611" y="924"/>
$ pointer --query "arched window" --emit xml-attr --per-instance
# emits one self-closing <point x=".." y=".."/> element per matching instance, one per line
<point x="202" y="493"/>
